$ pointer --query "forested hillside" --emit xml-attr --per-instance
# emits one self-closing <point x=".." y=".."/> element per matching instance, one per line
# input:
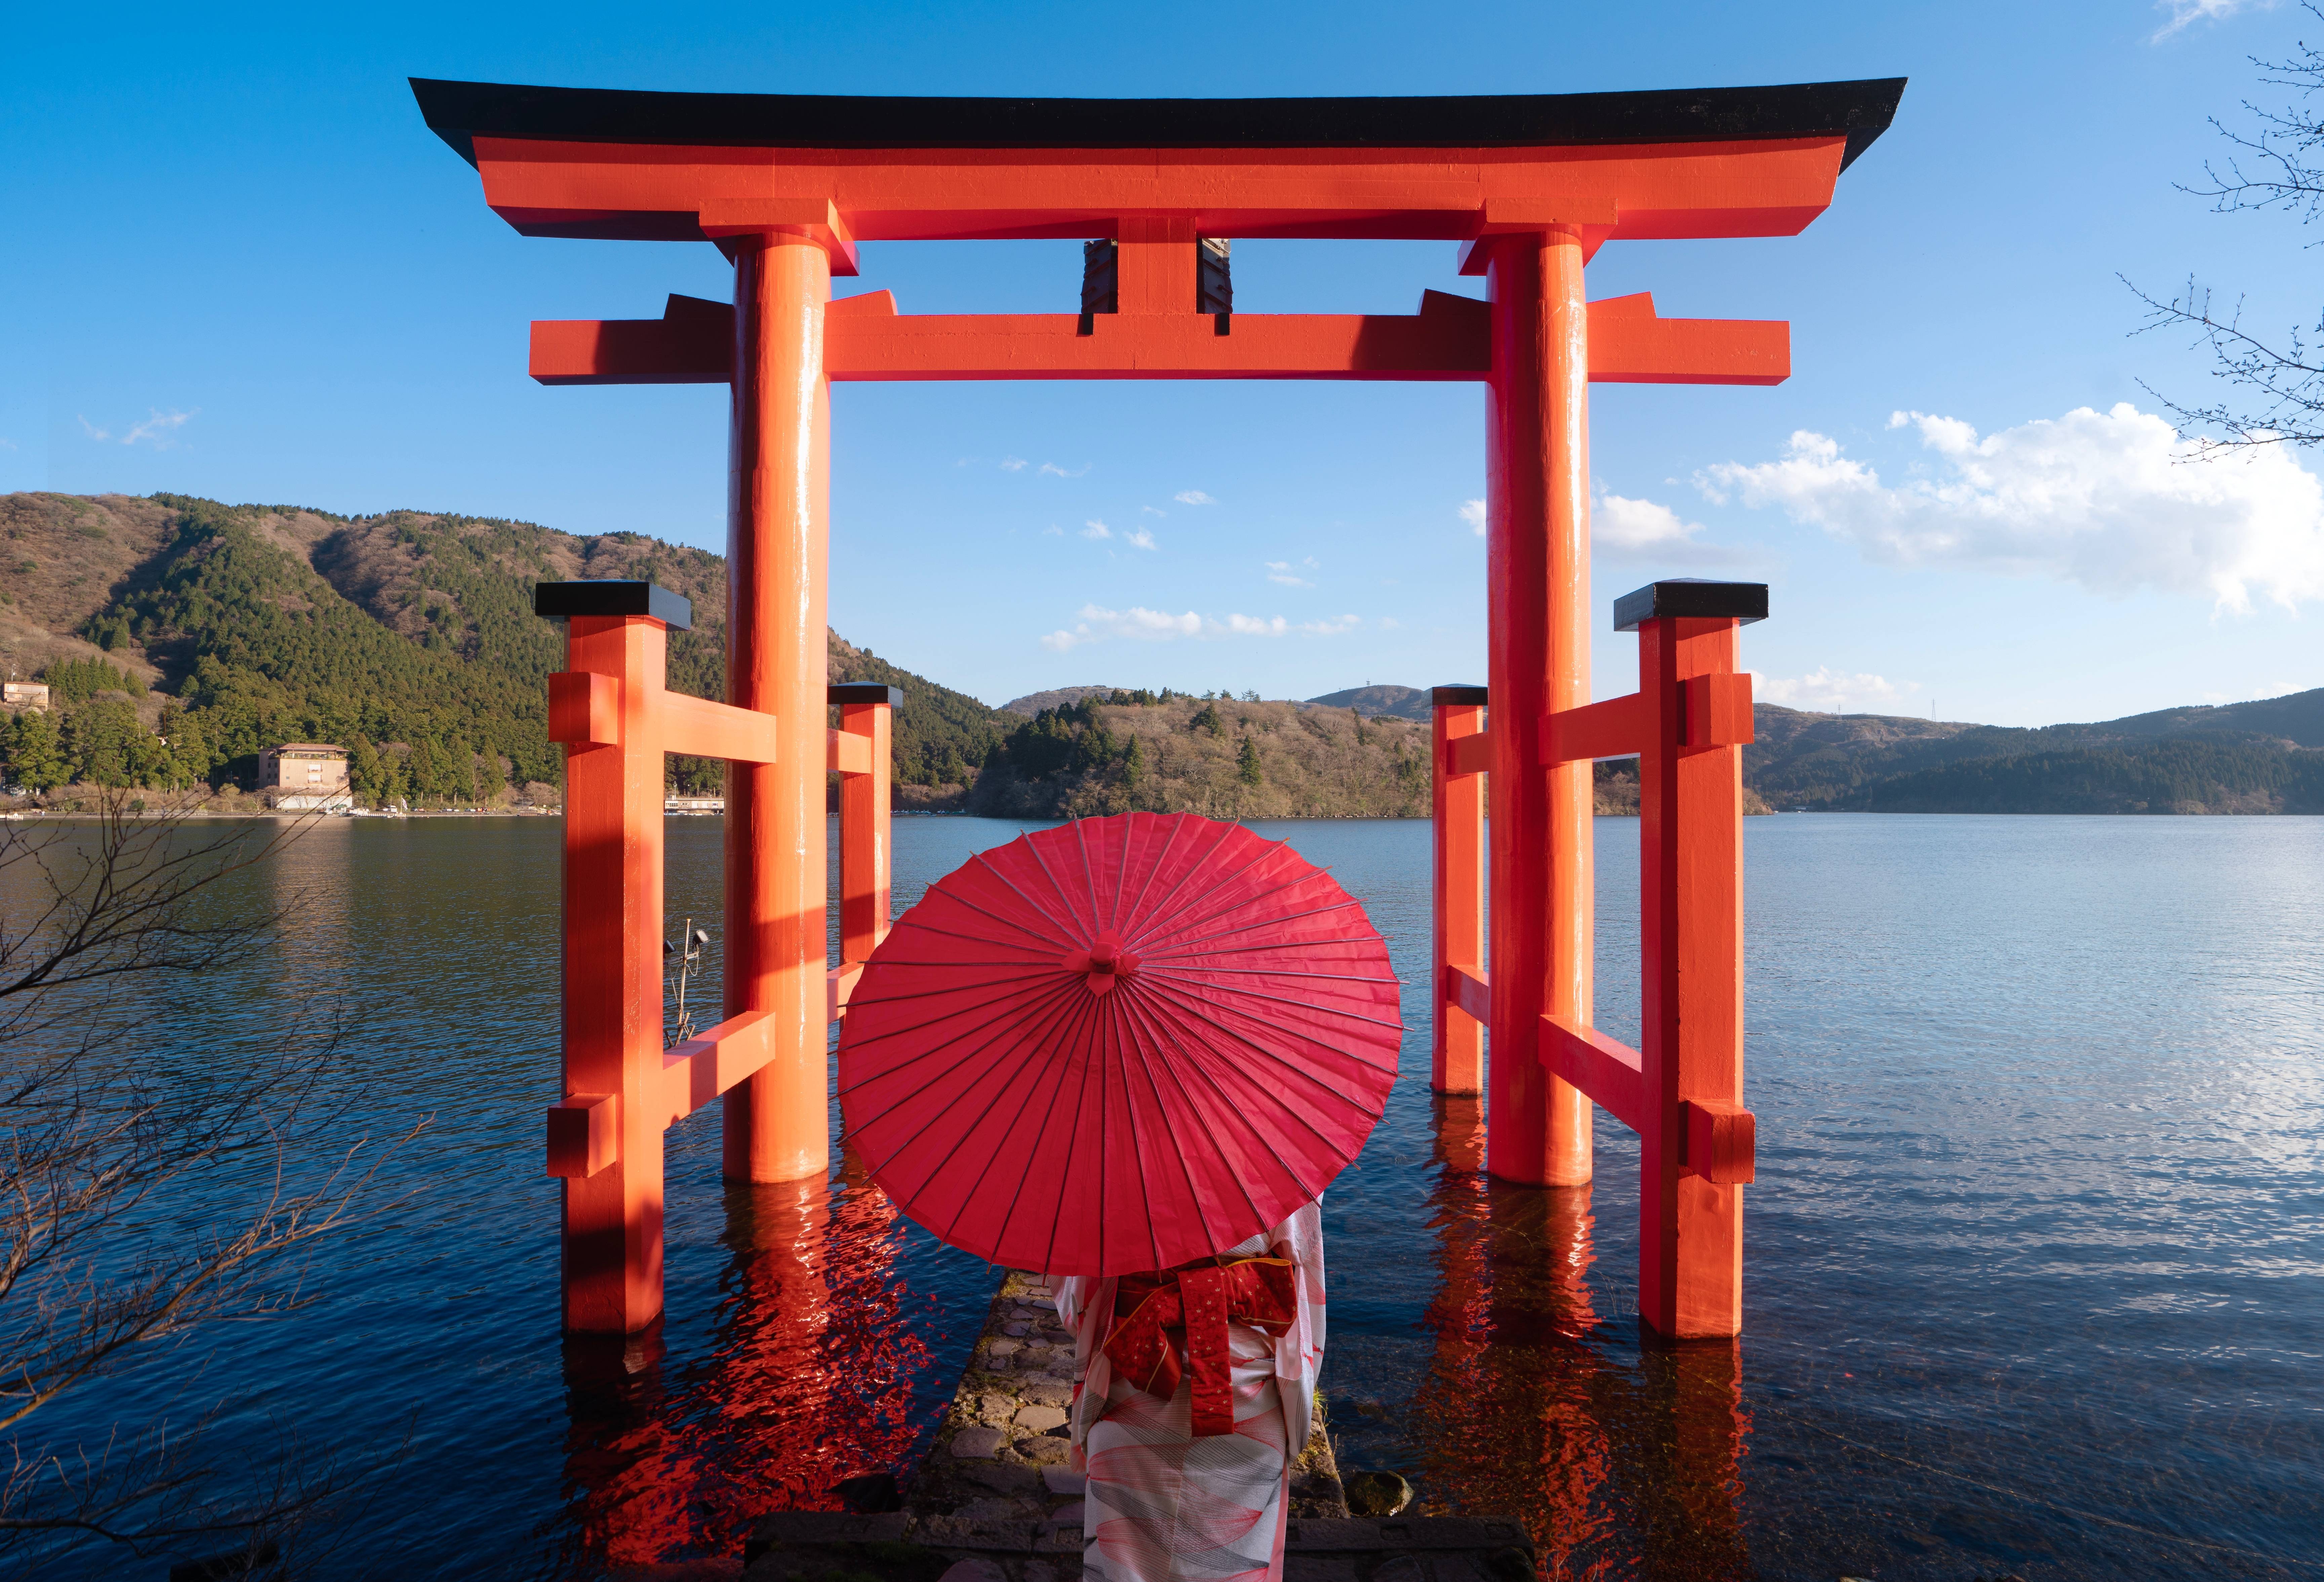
<point x="407" y="638"/>
<point x="181" y="636"/>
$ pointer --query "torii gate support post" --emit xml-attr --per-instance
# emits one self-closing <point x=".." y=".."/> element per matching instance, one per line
<point x="778" y="560"/>
<point x="1537" y="582"/>
<point x="1691" y="922"/>
<point x="1458" y="995"/>
<point x="612" y="880"/>
<point x="866" y="716"/>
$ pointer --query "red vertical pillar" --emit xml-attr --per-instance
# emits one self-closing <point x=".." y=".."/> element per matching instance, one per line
<point x="1456" y="1062"/>
<point x="868" y="711"/>
<point x="613" y="971"/>
<point x="1691" y="875"/>
<point x="1537" y="574"/>
<point x="777" y="561"/>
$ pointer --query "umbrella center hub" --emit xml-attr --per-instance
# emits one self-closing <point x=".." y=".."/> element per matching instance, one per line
<point x="1103" y="965"/>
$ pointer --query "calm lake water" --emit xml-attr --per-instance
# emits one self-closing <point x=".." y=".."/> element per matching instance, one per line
<point x="2032" y="1265"/>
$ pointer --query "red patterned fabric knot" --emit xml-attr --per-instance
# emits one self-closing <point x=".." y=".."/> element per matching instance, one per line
<point x="1177" y="1319"/>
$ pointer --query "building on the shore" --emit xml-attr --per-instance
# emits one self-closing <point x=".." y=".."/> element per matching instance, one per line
<point x="305" y="774"/>
<point x="25" y="694"/>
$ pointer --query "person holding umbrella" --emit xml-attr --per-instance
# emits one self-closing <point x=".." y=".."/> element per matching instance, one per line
<point x="1131" y="1052"/>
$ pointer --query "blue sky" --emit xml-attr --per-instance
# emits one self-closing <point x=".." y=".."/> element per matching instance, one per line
<point x="234" y="263"/>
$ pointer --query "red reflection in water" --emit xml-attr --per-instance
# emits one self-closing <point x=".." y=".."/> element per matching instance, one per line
<point x="1619" y="1466"/>
<point x="811" y="1380"/>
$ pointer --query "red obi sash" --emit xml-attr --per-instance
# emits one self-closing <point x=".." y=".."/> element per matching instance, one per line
<point x="1187" y="1309"/>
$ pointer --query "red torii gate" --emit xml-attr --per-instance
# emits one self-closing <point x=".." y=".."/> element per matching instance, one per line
<point x="1532" y="184"/>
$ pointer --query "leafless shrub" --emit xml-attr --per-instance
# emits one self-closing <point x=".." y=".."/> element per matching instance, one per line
<point x="95" y="919"/>
<point x="2278" y="382"/>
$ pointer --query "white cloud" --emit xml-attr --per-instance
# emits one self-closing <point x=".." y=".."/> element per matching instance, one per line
<point x="1014" y="463"/>
<point x="1053" y="531"/>
<point x="1151" y="510"/>
<point x="1138" y="538"/>
<point x="1279" y="571"/>
<point x="2186" y="12"/>
<point x="1826" y="692"/>
<point x="2114" y="500"/>
<point x="1639" y="526"/>
<point x="1096" y="623"/>
<point x="1192" y="497"/>
<point x="1097" y="530"/>
<point x="1472" y="512"/>
<point x="1051" y="470"/>
<point x="159" y="430"/>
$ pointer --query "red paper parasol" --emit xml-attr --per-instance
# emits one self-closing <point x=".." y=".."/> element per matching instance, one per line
<point x="1119" y="1044"/>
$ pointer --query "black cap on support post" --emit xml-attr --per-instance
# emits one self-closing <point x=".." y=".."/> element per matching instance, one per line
<point x="562" y="601"/>
<point x="1691" y="598"/>
<point x="860" y="693"/>
<point x="1463" y="696"/>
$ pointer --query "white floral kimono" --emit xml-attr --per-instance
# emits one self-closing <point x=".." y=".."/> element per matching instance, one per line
<point x="1165" y="1504"/>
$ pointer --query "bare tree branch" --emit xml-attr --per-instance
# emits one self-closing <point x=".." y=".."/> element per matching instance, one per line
<point x="92" y="1139"/>
<point x="2280" y="383"/>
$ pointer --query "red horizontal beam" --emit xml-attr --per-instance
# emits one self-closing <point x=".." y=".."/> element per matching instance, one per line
<point x="1468" y="755"/>
<point x="702" y="728"/>
<point x="1615" y="727"/>
<point x="1607" y="1074"/>
<point x="1754" y="188"/>
<point x="1468" y="992"/>
<point x="840" y="983"/>
<point x="866" y="339"/>
<point x="847" y="753"/>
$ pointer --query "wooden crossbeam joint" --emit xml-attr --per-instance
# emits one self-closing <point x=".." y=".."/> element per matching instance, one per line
<point x="700" y="728"/>
<point x="1467" y="992"/>
<point x="839" y="983"/>
<point x="848" y="752"/>
<point x="584" y="1133"/>
<point x="585" y="709"/>
<point x="1715" y="710"/>
<point x="1468" y="755"/>
<point x="1611" y="1074"/>
<point x="1615" y="727"/>
<point x="1718" y="1142"/>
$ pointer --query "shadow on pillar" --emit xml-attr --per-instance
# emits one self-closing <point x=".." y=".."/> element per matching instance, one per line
<point x="814" y="1372"/>
<point x="1620" y="1463"/>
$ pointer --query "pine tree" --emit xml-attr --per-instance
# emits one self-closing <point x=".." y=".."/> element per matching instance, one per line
<point x="1247" y="762"/>
<point x="36" y="758"/>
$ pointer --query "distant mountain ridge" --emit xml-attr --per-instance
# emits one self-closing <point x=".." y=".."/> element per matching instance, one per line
<point x="409" y="637"/>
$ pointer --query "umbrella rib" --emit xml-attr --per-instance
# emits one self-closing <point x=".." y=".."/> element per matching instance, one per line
<point x="1064" y="894"/>
<point x="1311" y="1005"/>
<point x="1154" y="1088"/>
<point x="1341" y="905"/>
<point x="1280" y="973"/>
<point x="1137" y="907"/>
<point x="1073" y="1143"/>
<point x="1062" y="930"/>
<point x="1025" y="1172"/>
<point x="1282" y="944"/>
<point x="1043" y="943"/>
<point x="1122" y="873"/>
<point x="1226" y="832"/>
<point x="1180" y="994"/>
<point x="1206" y="919"/>
<point x="870" y="1038"/>
<point x="999" y="1030"/>
<point x="1031" y="1050"/>
<point x="1194" y="1008"/>
<point x="1194" y="917"/>
<point x="955" y="897"/>
<point x="1210" y="1135"/>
